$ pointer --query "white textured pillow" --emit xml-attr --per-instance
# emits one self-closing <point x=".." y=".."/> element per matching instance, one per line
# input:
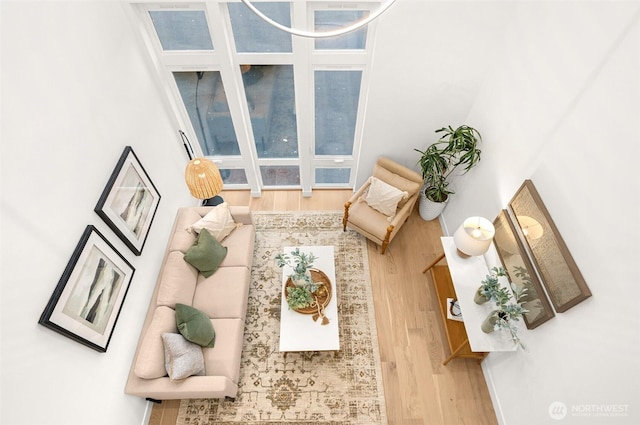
<point x="181" y="357"/>
<point x="218" y="222"/>
<point x="384" y="197"/>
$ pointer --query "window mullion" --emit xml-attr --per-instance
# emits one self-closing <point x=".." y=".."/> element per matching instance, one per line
<point x="302" y="69"/>
<point x="232" y="81"/>
<point x="364" y="100"/>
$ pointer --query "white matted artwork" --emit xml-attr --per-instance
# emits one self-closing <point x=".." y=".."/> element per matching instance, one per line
<point x="86" y="303"/>
<point x="129" y="201"/>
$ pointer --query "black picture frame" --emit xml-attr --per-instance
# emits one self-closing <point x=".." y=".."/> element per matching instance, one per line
<point x="88" y="298"/>
<point x="129" y="201"/>
<point x="556" y="267"/>
<point x="521" y="271"/>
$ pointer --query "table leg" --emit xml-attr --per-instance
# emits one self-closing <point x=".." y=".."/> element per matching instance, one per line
<point x="436" y="261"/>
<point x="456" y="352"/>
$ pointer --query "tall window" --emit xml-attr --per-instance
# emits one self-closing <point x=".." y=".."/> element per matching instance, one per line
<point x="271" y="109"/>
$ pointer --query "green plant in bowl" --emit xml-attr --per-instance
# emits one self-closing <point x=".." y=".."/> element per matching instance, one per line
<point x="298" y="297"/>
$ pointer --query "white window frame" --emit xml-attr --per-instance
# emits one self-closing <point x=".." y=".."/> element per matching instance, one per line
<point x="305" y="61"/>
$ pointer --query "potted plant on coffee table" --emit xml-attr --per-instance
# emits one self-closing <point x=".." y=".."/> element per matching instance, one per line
<point x="300" y="263"/>
<point x="307" y="289"/>
<point x="455" y="148"/>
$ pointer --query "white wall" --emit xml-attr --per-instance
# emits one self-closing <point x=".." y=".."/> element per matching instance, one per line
<point x="554" y="88"/>
<point x="75" y="92"/>
<point x="430" y="60"/>
<point x="561" y="107"/>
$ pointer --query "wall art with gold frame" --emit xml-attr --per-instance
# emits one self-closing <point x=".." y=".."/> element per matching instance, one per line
<point x="556" y="267"/>
<point x="521" y="272"/>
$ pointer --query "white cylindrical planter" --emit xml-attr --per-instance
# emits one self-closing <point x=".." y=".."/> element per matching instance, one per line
<point x="302" y="282"/>
<point x="428" y="209"/>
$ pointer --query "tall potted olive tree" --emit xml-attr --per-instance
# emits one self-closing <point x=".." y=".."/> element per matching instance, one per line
<point x="455" y="148"/>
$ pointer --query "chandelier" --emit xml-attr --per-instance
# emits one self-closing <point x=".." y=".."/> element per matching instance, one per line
<point x="321" y="34"/>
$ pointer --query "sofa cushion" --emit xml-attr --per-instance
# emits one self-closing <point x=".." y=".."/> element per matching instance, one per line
<point x="195" y="325"/>
<point x="177" y="282"/>
<point x="383" y="197"/>
<point x="224" y="358"/>
<point x="150" y="360"/>
<point x="181" y="357"/>
<point x="225" y="294"/>
<point x="205" y="254"/>
<point x="240" y="246"/>
<point x="364" y="217"/>
<point x="218" y="222"/>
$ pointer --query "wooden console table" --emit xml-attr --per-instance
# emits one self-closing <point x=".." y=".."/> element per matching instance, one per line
<point x="459" y="279"/>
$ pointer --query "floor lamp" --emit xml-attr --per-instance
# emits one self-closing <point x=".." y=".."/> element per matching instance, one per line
<point x="202" y="176"/>
<point x="204" y="181"/>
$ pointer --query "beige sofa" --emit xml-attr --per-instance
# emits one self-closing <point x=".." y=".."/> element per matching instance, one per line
<point x="223" y="297"/>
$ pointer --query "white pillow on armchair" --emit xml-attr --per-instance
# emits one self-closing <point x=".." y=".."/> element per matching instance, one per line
<point x="383" y="197"/>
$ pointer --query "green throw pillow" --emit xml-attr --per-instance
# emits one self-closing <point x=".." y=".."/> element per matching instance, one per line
<point x="206" y="253"/>
<point x="195" y="326"/>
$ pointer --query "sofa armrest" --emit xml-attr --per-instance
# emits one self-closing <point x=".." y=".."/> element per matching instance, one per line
<point x="241" y="214"/>
<point x="359" y="193"/>
<point x="403" y="213"/>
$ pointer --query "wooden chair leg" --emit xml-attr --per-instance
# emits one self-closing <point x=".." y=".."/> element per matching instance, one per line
<point x="386" y="240"/>
<point x="346" y="216"/>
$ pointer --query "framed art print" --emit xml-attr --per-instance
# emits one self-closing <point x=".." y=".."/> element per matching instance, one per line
<point x="129" y="201"/>
<point x="86" y="303"/>
<point x="521" y="272"/>
<point x="557" y="269"/>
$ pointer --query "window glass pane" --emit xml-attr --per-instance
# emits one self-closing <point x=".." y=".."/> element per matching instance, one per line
<point x="206" y="103"/>
<point x="336" y="99"/>
<point x="252" y="34"/>
<point x="271" y="102"/>
<point x="233" y="176"/>
<point x="332" y="175"/>
<point x="182" y="30"/>
<point x="280" y="175"/>
<point x="330" y="20"/>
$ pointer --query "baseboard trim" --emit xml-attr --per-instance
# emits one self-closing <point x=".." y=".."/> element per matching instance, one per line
<point x="147" y="413"/>
<point x="488" y="377"/>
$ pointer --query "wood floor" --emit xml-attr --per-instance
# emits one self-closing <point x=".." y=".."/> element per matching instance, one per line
<point x="419" y="390"/>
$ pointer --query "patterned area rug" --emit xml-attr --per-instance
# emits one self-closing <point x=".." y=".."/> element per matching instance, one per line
<point x="320" y="388"/>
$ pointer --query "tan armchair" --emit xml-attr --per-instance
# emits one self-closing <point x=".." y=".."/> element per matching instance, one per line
<point x="371" y="223"/>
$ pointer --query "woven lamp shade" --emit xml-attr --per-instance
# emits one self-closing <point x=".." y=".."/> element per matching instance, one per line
<point x="203" y="178"/>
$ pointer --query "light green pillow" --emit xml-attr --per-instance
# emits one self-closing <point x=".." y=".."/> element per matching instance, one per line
<point x="206" y="253"/>
<point x="195" y="325"/>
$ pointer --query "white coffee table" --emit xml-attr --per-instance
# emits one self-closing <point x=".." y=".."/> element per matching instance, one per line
<point x="299" y="332"/>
